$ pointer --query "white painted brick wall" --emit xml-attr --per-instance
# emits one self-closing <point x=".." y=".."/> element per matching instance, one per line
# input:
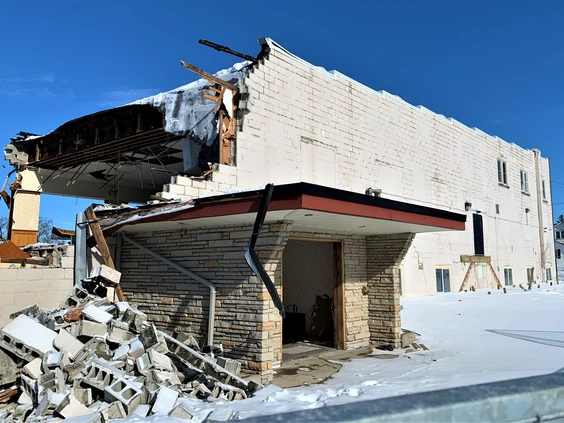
<point x="305" y="124"/>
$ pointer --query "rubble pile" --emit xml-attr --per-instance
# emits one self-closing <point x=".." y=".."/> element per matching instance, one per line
<point x="94" y="360"/>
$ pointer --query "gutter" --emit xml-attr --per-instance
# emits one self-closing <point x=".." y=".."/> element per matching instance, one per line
<point x="251" y="256"/>
<point x="211" y="286"/>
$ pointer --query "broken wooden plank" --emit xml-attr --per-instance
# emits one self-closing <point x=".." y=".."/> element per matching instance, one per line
<point x="209" y="76"/>
<point x="102" y="245"/>
<point x="8" y="393"/>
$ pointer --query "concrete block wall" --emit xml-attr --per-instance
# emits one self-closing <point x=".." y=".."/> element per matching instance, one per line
<point x="44" y="286"/>
<point x="302" y="123"/>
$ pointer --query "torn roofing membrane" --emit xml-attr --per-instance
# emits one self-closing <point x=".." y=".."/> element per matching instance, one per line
<point x="187" y="111"/>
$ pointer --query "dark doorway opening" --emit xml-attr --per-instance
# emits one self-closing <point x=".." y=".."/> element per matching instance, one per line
<point x="312" y="291"/>
<point x="478" y="234"/>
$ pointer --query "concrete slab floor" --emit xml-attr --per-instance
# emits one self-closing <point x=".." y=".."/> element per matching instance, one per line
<point x="315" y="367"/>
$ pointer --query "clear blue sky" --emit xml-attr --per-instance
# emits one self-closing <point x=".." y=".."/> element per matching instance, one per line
<point x="496" y="65"/>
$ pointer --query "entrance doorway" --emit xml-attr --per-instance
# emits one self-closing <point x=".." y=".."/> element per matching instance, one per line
<point x="313" y="293"/>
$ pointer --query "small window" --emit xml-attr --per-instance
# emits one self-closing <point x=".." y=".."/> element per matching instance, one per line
<point x="530" y="274"/>
<point x="557" y="234"/>
<point x="558" y="254"/>
<point x="543" y="191"/>
<point x="502" y="171"/>
<point x="497" y="209"/>
<point x="508" y="275"/>
<point x="524" y="182"/>
<point x="548" y="274"/>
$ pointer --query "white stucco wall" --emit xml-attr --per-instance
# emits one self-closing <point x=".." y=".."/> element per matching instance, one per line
<point x="301" y="123"/>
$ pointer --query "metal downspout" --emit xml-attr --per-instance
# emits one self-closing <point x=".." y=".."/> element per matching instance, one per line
<point x="251" y="256"/>
<point x="211" y="286"/>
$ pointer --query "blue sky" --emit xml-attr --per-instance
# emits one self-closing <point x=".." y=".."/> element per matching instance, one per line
<point x="496" y="65"/>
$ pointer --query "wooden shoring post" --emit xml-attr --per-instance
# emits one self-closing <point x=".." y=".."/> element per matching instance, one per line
<point x="102" y="245"/>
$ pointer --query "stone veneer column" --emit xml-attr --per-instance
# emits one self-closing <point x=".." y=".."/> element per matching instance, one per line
<point x="384" y="254"/>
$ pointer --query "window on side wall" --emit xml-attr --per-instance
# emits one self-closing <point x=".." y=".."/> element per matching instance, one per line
<point x="543" y="191"/>
<point x="524" y="182"/>
<point x="508" y="276"/>
<point x="557" y="234"/>
<point x="530" y="275"/>
<point x="548" y="274"/>
<point x="558" y="254"/>
<point x="502" y="171"/>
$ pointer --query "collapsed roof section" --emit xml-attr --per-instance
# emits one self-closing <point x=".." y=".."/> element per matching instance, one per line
<point x="128" y="153"/>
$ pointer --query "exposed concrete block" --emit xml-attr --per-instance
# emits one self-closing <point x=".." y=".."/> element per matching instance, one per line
<point x="116" y="410"/>
<point x="90" y="418"/>
<point x="101" y="375"/>
<point x="121" y="352"/>
<point x="165" y="378"/>
<point x="149" y="336"/>
<point x="160" y="361"/>
<point x="72" y="407"/>
<point x="143" y="364"/>
<point x="108" y="276"/>
<point x="407" y="338"/>
<point x="164" y="403"/>
<point x="31" y="311"/>
<point x="27" y="338"/>
<point x="134" y="318"/>
<point x="83" y="395"/>
<point x="230" y="365"/>
<point x="96" y="314"/>
<point x="124" y="391"/>
<point x="33" y="368"/>
<point x="89" y="329"/>
<point x="118" y="334"/>
<point x="55" y="359"/>
<point x="142" y="410"/>
<point x="8" y="368"/>
<point x="122" y="307"/>
<point x="136" y="349"/>
<point x="181" y="412"/>
<point x="64" y="341"/>
<point x="77" y="297"/>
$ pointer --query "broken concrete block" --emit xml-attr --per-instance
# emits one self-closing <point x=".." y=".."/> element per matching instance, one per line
<point x="25" y="399"/>
<point x="53" y="380"/>
<point x="166" y="398"/>
<point x="118" y="334"/>
<point x="149" y="336"/>
<point x="124" y="391"/>
<point x="83" y="395"/>
<point x="136" y="349"/>
<point x="55" y="359"/>
<point x="48" y="403"/>
<point x="9" y="368"/>
<point x="227" y="392"/>
<point x="129" y="365"/>
<point x="142" y="410"/>
<point x="160" y="361"/>
<point x="56" y="321"/>
<point x="122" y="307"/>
<point x="72" y="407"/>
<point x="134" y="318"/>
<point x="143" y="363"/>
<point x="107" y="275"/>
<point x="89" y="418"/>
<point x="64" y="341"/>
<point x="101" y="374"/>
<point x="31" y="311"/>
<point x="115" y="410"/>
<point x="96" y="314"/>
<point x="27" y="338"/>
<point x="189" y="340"/>
<point x="407" y="338"/>
<point x="87" y="329"/>
<point x="181" y="412"/>
<point x="76" y="298"/>
<point x="165" y="378"/>
<point x="121" y="352"/>
<point x="230" y="365"/>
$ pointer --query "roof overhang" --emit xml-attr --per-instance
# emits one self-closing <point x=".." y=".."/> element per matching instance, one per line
<point x="310" y="208"/>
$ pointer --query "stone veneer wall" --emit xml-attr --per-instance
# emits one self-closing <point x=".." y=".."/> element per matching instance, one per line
<point x="244" y="321"/>
<point x="385" y="253"/>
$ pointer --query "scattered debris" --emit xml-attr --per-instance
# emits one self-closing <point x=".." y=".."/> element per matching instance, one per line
<point x="94" y="360"/>
<point x="407" y="338"/>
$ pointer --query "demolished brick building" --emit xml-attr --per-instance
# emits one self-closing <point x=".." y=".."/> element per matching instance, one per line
<point x="214" y="146"/>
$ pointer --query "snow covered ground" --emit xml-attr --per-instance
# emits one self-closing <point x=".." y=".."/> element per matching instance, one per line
<point x="473" y="338"/>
